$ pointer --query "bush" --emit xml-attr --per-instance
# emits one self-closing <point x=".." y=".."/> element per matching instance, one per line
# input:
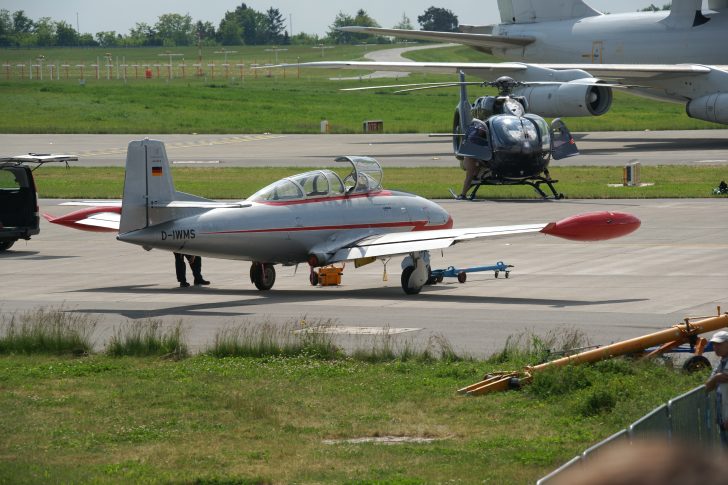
<point x="47" y="332"/>
<point x="148" y="338"/>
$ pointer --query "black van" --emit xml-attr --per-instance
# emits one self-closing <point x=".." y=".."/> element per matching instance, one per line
<point x="19" y="217"/>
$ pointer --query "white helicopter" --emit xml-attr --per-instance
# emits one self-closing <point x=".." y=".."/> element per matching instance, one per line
<point x="314" y="217"/>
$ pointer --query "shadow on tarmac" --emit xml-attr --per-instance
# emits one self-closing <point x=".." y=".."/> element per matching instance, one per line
<point x="255" y="297"/>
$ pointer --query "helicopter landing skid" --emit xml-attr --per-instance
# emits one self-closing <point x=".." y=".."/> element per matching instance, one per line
<point x="535" y="182"/>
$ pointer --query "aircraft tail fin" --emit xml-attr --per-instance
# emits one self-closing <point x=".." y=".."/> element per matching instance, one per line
<point x="149" y="194"/>
<point x="532" y="11"/>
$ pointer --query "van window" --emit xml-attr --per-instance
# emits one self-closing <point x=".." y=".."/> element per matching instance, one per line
<point x="13" y="178"/>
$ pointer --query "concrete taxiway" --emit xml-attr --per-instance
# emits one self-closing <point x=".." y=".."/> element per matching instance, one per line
<point x="672" y="267"/>
<point x="694" y="147"/>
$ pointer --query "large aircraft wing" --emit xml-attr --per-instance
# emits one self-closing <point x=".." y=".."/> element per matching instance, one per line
<point x="478" y="41"/>
<point x="501" y="68"/>
<point x="486" y="70"/>
<point x="593" y="226"/>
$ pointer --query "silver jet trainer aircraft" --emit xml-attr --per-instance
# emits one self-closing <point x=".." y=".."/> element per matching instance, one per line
<point x="314" y="217"/>
<point x="674" y="55"/>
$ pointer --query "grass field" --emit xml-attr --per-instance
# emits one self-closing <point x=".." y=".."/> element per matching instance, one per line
<point x="262" y="102"/>
<point x="239" y="183"/>
<point x="252" y="420"/>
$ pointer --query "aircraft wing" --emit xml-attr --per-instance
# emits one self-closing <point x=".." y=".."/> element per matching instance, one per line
<point x="479" y="41"/>
<point x="633" y="71"/>
<point x="592" y="226"/>
<point x="407" y="242"/>
<point x="485" y="69"/>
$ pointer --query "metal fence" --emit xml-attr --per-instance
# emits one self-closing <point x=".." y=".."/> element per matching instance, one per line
<point x="689" y="417"/>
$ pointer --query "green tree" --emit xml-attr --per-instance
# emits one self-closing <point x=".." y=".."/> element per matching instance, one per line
<point x="654" y="8"/>
<point x="274" y="26"/>
<point x="65" y="34"/>
<point x="206" y="31"/>
<point x="362" y="19"/>
<point x="6" y="29"/>
<point x="438" y="19"/>
<point x="405" y="23"/>
<point x="303" y="38"/>
<point x="230" y="31"/>
<point x="175" y="29"/>
<point x="107" y="39"/>
<point x="87" y="40"/>
<point x="45" y="32"/>
<point x="143" y="35"/>
<point x="23" y="30"/>
<point x="21" y="23"/>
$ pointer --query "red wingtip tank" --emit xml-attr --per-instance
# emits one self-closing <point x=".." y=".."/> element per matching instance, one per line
<point x="593" y="226"/>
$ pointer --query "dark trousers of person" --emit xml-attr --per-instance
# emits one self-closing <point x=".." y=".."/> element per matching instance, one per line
<point x="195" y="265"/>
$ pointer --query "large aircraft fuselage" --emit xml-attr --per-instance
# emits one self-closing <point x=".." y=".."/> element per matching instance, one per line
<point x="631" y="38"/>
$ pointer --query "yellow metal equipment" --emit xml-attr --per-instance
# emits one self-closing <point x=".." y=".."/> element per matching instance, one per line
<point x="330" y="275"/>
<point x="666" y="339"/>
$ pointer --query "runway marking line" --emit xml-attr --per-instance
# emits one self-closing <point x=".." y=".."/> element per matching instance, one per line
<point x="324" y="329"/>
<point x="191" y="144"/>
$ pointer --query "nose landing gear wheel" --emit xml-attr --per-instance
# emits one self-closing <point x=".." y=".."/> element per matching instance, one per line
<point x="262" y="275"/>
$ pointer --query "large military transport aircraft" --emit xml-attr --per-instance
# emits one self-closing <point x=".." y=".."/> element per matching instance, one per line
<point x="314" y="217"/>
<point x="674" y="55"/>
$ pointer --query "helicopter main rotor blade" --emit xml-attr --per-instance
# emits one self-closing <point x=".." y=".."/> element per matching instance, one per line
<point x="434" y="85"/>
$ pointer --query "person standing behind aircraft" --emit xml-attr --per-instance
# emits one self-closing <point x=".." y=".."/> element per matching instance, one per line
<point x="195" y="263"/>
<point x="475" y="150"/>
<point x="719" y="381"/>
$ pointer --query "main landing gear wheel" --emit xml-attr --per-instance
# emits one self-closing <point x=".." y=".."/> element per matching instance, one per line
<point x="696" y="363"/>
<point x="406" y="273"/>
<point x="262" y="275"/>
<point x="5" y="245"/>
<point x="313" y="277"/>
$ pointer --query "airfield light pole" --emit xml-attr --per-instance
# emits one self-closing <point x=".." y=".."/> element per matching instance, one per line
<point x="322" y="47"/>
<point x="169" y="66"/>
<point x="276" y="50"/>
<point x="109" y="66"/>
<point x="199" y="54"/>
<point x="40" y="60"/>
<point x="226" y="65"/>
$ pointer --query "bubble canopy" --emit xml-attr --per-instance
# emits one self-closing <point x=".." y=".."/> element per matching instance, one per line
<point x="365" y="177"/>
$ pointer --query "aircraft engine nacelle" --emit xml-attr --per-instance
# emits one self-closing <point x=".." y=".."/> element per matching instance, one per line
<point x="583" y="97"/>
<point x="713" y="107"/>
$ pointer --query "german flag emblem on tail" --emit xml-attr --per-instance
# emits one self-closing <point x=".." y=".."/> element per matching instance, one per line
<point x="156" y="171"/>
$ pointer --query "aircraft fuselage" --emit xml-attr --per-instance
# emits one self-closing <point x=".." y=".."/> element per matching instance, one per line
<point x="288" y="232"/>
<point x="630" y="38"/>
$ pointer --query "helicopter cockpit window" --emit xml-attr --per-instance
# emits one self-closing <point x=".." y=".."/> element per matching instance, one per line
<point x="282" y="190"/>
<point x="543" y="131"/>
<point x="513" y="134"/>
<point x="511" y="106"/>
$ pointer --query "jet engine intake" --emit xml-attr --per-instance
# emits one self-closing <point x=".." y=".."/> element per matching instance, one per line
<point x="713" y="107"/>
<point x="582" y="97"/>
